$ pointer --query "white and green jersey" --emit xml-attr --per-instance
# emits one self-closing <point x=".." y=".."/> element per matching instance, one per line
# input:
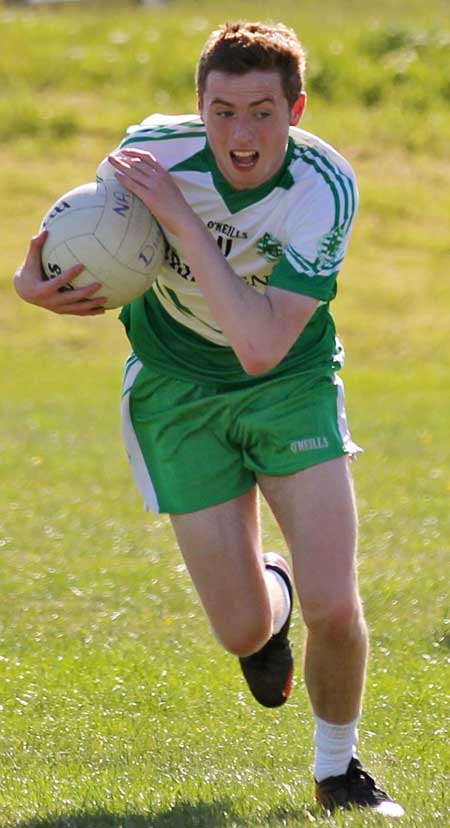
<point x="290" y="232"/>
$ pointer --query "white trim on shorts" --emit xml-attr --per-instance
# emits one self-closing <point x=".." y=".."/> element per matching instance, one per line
<point x="350" y="448"/>
<point x="138" y="466"/>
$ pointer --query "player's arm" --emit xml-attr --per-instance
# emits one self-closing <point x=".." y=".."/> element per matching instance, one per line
<point x="32" y="287"/>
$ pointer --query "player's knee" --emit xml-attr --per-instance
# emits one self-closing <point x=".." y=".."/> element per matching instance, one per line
<point x="246" y="638"/>
<point x="340" y="621"/>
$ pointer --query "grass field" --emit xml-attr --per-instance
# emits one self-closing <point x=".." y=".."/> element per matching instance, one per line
<point x="117" y="707"/>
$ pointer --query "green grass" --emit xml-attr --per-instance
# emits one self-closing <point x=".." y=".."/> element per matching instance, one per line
<point x="117" y="706"/>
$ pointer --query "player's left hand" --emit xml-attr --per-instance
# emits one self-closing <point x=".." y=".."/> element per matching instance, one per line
<point x="140" y="172"/>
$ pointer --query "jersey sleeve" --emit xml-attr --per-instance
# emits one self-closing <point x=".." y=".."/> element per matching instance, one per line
<point x="318" y="233"/>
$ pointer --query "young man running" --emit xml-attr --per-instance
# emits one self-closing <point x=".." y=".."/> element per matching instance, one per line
<point x="232" y="387"/>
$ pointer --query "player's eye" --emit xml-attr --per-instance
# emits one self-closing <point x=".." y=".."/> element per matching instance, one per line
<point x="224" y="113"/>
<point x="262" y="114"/>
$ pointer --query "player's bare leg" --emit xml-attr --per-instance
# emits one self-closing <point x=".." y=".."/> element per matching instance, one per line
<point x="316" y="512"/>
<point x="221" y="546"/>
<point x="247" y="595"/>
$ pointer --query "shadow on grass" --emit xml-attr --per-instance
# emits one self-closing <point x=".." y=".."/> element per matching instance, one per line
<point x="182" y="815"/>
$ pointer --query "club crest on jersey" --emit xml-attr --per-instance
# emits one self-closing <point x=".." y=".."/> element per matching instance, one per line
<point x="270" y="247"/>
<point x="330" y="244"/>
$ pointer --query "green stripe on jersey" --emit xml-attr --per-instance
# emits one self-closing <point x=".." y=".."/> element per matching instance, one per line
<point x="170" y="296"/>
<point x="349" y="198"/>
<point x="336" y="180"/>
<point x="327" y="179"/>
<point x="143" y="137"/>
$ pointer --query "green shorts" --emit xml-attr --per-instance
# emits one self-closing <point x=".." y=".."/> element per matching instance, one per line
<point x="191" y="447"/>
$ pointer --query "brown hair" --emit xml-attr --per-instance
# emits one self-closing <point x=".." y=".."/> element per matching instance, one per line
<point x="239" y="47"/>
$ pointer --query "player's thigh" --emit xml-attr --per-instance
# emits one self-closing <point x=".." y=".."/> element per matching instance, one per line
<point x="316" y="511"/>
<point x="221" y="546"/>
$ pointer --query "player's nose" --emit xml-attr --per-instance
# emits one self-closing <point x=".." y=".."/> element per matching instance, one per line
<point x="243" y="132"/>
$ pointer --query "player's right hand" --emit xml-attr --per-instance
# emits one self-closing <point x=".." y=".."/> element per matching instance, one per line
<point x="32" y="286"/>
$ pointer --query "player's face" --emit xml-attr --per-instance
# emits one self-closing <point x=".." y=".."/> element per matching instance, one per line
<point x="247" y="119"/>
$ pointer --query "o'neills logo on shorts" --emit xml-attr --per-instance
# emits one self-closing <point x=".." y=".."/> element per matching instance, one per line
<point x="309" y="444"/>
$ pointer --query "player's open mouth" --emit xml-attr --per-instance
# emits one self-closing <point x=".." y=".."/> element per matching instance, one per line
<point x="244" y="159"/>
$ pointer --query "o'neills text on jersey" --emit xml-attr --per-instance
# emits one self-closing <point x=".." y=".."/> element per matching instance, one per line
<point x="227" y="230"/>
<point x="309" y="444"/>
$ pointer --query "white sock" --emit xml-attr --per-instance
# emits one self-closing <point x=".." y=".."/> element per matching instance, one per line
<point x="282" y="606"/>
<point x="335" y="746"/>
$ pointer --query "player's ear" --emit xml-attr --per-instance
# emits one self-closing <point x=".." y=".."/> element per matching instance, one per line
<point x="298" y="109"/>
<point x="200" y="105"/>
